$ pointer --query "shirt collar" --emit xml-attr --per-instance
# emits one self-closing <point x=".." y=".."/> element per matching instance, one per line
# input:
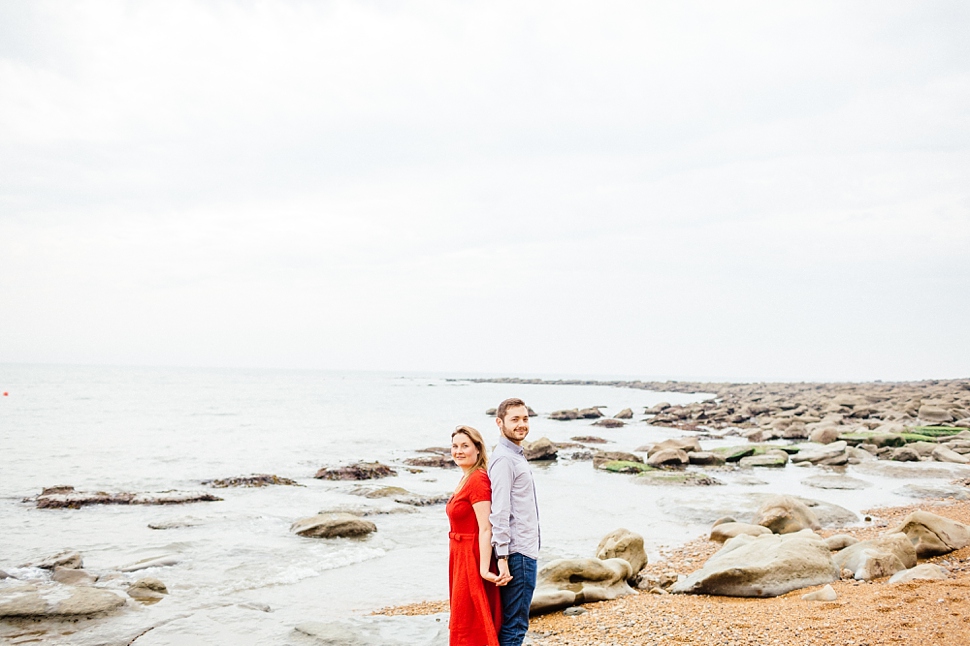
<point x="509" y="444"/>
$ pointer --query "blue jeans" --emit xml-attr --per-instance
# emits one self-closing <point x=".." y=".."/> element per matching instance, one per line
<point x="516" y="599"/>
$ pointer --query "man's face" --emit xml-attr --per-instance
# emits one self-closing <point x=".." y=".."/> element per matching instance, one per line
<point x="515" y="424"/>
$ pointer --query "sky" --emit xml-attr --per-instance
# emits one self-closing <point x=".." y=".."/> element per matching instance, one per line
<point x="689" y="190"/>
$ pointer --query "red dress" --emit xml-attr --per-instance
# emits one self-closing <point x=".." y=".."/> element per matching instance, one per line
<point x="476" y="609"/>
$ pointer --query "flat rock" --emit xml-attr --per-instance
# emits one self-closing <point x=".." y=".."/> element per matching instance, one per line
<point x="678" y="478"/>
<point x="773" y="460"/>
<point x="705" y="458"/>
<point x="602" y="457"/>
<point x="357" y="471"/>
<point x="72" y="576"/>
<point x="724" y="532"/>
<point x="830" y="454"/>
<point x="165" y="560"/>
<point x="763" y="566"/>
<point x="953" y="492"/>
<point x="933" y="535"/>
<point x="39" y="601"/>
<point x="891" y="469"/>
<point x="437" y="461"/>
<point x="424" y="630"/>
<point x="609" y="422"/>
<point x="334" y="525"/>
<point x="929" y="571"/>
<point x="835" y="482"/>
<point x="686" y="444"/>
<point x="944" y="454"/>
<point x="255" y="480"/>
<point x="589" y="439"/>
<point x="77" y="499"/>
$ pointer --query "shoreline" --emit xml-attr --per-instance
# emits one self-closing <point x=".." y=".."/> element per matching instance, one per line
<point x="864" y="613"/>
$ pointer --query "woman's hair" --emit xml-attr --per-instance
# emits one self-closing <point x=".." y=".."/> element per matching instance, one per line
<point x="476" y="438"/>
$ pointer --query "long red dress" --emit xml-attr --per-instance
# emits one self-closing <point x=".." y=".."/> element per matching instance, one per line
<point x="476" y="608"/>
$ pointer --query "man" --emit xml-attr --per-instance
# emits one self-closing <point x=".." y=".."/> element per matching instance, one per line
<point x="515" y="520"/>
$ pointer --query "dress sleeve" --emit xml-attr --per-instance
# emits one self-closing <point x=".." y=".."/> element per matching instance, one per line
<point x="480" y="488"/>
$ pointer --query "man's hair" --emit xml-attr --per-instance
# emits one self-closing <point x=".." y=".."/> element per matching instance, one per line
<point x="476" y="439"/>
<point x="504" y="407"/>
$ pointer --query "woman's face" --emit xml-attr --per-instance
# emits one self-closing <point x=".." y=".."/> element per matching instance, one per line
<point x="463" y="451"/>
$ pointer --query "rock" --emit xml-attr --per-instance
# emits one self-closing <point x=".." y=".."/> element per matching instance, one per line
<point x="835" y="482"/>
<point x="147" y="590"/>
<point x="4" y="575"/>
<point x="763" y="566"/>
<point x="933" y="535"/>
<point x="358" y="471"/>
<point x="72" y="576"/>
<point x="574" y="611"/>
<point x="829" y="454"/>
<point x="705" y="458"/>
<point x="589" y="439"/>
<point x="425" y="630"/>
<point x="925" y="449"/>
<point x="825" y="594"/>
<point x="56" y="601"/>
<point x="541" y="449"/>
<point x="492" y="412"/>
<point x="532" y="413"/>
<point x="726" y="531"/>
<point x="256" y="480"/>
<point x="66" y="559"/>
<point x="824" y="435"/>
<point x="656" y="409"/>
<point x="565" y="415"/>
<point x="943" y="454"/>
<point x="686" y="444"/>
<point x="923" y="571"/>
<point x="668" y="458"/>
<point x="623" y="466"/>
<point x="724" y="519"/>
<point x="602" y="457"/>
<point x="877" y="557"/>
<point x="904" y="454"/>
<point x="955" y="492"/>
<point x="786" y="515"/>
<point x="175" y="523"/>
<point x="623" y="544"/>
<point x="840" y="541"/>
<point x="154" y="561"/>
<point x="734" y="453"/>
<point x="333" y="525"/>
<point x="626" y="413"/>
<point x="568" y="582"/>
<point x="373" y="492"/>
<point x="774" y="459"/>
<point x="418" y="500"/>
<point x="934" y="414"/>
<point x="609" y="422"/>
<point x="677" y="478"/>
<point x="886" y="439"/>
<point x="433" y="461"/>
<point x="76" y="499"/>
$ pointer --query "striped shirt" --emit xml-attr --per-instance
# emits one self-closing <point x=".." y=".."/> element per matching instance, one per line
<point x="515" y="511"/>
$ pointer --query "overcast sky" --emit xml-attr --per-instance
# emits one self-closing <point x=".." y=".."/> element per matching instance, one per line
<point x="658" y="189"/>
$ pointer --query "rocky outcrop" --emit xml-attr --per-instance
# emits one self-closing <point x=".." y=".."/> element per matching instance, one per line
<point x="333" y="525"/>
<point x="878" y="557"/>
<point x="255" y="480"/>
<point x="763" y="566"/>
<point x="786" y="515"/>
<point x="56" y="601"/>
<point x="541" y="449"/>
<point x="623" y="544"/>
<point x="568" y="582"/>
<point x="65" y="497"/>
<point x="357" y="471"/>
<point x="932" y="535"/>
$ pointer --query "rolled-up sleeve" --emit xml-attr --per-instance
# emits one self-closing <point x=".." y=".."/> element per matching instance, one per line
<point x="501" y="474"/>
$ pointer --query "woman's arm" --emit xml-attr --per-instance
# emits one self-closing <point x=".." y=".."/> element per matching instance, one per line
<point x="482" y="511"/>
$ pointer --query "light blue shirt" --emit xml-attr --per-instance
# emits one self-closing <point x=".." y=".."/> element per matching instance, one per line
<point x="515" y="511"/>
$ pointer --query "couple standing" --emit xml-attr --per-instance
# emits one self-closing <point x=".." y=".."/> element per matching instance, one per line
<point x="494" y="537"/>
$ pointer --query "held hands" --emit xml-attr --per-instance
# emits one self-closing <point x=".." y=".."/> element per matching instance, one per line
<point x="503" y="576"/>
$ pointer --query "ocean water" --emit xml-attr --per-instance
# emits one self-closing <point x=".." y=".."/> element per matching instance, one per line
<point x="241" y="577"/>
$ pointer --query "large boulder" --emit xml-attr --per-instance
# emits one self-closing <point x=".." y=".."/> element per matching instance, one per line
<point x="541" y="449"/>
<point x="877" y="557"/>
<point x="723" y="532"/>
<point x="40" y="601"/>
<point x="686" y="444"/>
<point x="568" y="582"/>
<point x="668" y="458"/>
<point x="932" y="535"/>
<point x="763" y="566"/>
<point x="357" y="471"/>
<point x="333" y="525"/>
<point x="623" y="544"/>
<point x="786" y="515"/>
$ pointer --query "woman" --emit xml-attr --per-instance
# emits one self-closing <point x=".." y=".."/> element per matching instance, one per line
<point x="476" y="610"/>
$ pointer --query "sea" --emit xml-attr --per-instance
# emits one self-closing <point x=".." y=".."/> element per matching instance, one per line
<point x="239" y="575"/>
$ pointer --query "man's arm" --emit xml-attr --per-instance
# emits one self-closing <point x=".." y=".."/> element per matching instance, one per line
<point x="501" y="475"/>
